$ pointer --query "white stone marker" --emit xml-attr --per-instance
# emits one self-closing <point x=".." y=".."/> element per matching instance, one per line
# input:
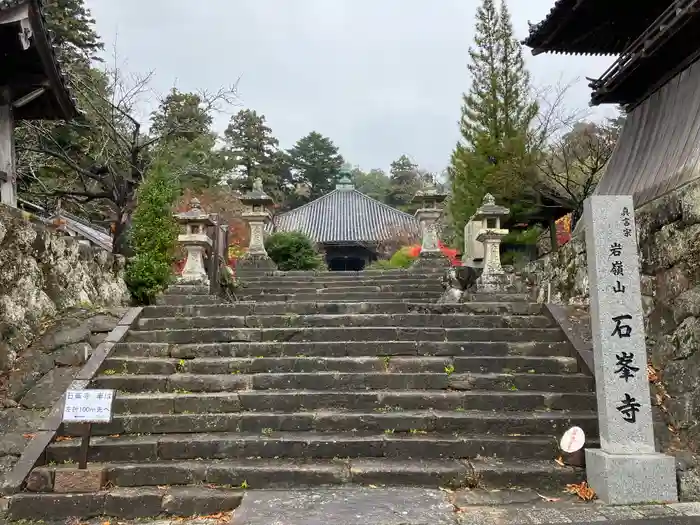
<point x="626" y="469"/>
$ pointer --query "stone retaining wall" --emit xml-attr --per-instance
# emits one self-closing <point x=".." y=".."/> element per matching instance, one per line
<point x="58" y="300"/>
<point x="669" y="243"/>
<point x="42" y="274"/>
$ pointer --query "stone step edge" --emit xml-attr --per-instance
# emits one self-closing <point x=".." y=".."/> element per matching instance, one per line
<point x="485" y="415"/>
<point x="306" y="437"/>
<point x="373" y="393"/>
<point x="264" y="473"/>
<point x="125" y="503"/>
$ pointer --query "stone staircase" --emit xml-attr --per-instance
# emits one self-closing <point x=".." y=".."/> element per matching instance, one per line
<point x="333" y="379"/>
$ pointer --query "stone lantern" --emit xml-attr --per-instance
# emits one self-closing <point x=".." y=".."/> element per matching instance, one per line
<point x="196" y="241"/>
<point x="257" y="214"/>
<point x="493" y="278"/>
<point x="430" y="211"/>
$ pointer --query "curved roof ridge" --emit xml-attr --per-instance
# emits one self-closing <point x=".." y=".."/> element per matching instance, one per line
<point x="346" y="216"/>
<point x="385" y="205"/>
<point x="317" y="199"/>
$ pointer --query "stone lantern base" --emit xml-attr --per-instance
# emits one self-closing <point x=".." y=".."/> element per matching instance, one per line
<point x="254" y="263"/>
<point x="430" y="261"/>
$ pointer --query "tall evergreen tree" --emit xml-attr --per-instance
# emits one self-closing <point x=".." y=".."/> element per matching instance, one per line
<point x="316" y="163"/>
<point x="253" y="151"/>
<point x="493" y="155"/>
<point x="182" y="125"/>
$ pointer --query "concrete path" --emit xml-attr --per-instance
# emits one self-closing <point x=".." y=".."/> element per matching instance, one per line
<point x="418" y="506"/>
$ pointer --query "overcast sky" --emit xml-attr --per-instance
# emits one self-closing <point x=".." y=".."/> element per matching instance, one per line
<point x="379" y="77"/>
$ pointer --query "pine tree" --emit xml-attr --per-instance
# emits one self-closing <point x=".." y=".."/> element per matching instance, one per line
<point x="74" y="35"/>
<point x="316" y="163"/>
<point x="253" y="150"/>
<point x="403" y="182"/>
<point x="497" y="111"/>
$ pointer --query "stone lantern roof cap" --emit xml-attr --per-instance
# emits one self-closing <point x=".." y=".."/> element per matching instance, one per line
<point x="194" y="214"/>
<point x="429" y="193"/>
<point x="489" y="208"/>
<point x="257" y="195"/>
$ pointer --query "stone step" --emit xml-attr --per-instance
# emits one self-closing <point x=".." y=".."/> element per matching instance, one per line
<point x="124" y="503"/>
<point x="184" y="289"/>
<point x="286" y="473"/>
<point x="477" y="422"/>
<point x="337" y="380"/>
<point x="352" y="288"/>
<point x="420" y="296"/>
<point x="367" y="274"/>
<point x="485" y="297"/>
<point x="370" y="401"/>
<point x="322" y="334"/>
<point x="352" y="320"/>
<point x="317" y="445"/>
<point x="422" y="364"/>
<point x="293" y="283"/>
<point x="167" y="299"/>
<point x="315" y="308"/>
<point x="345" y="348"/>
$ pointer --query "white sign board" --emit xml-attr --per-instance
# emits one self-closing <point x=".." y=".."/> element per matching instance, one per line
<point x="88" y="406"/>
<point x="573" y="440"/>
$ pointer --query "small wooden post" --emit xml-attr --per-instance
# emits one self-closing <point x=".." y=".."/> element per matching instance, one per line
<point x="8" y="184"/>
<point x="85" y="446"/>
<point x="553" y="234"/>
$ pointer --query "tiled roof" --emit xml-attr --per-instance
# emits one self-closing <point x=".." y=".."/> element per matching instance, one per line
<point x="58" y="102"/>
<point x="347" y="216"/>
<point x="593" y="27"/>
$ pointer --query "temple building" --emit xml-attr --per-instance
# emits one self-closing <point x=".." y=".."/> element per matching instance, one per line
<point x="655" y="78"/>
<point x="349" y="226"/>
<point x="32" y="86"/>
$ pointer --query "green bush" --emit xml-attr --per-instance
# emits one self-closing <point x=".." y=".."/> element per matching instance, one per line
<point x="293" y="251"/>
<point x="401" y="259"/>
<point x="527" y="237"/>
<point x="381" y="264"/>
<point x="153" y="236"/>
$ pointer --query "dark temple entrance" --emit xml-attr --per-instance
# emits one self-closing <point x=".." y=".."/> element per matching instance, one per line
<point x="348" y="258"/>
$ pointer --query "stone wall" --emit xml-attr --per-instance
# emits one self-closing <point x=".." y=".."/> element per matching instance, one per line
<point x="43" y="274"/>
<point x="669" y="243"/>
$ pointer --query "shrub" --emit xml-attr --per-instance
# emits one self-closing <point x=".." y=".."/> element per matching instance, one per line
<point x="381" y="264"/>
<point x="293" y="251"/>
<point x="402" y="258"/>
<point x="153" y="235"/>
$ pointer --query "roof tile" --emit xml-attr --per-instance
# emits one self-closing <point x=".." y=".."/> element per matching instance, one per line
<point x="347" y="216"/>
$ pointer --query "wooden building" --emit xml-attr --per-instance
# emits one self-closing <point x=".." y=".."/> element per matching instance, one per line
<point x="31" y="84"/>
<point x="349" y="225"/>
<point x="655" y="78"/>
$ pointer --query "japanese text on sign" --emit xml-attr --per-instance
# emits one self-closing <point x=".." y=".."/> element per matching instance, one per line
<point x="625" y="365"/>
<point x="88" y="406"/>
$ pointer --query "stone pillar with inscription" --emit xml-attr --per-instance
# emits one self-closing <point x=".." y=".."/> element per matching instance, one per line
<point x="257" y="215"/>
<point x="196" y="242"/>
<point x="627" y="468"/>
<point x="493" y="278"/>
<point x="428" y="215"/>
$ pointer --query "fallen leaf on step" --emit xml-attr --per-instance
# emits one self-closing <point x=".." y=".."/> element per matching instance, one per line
<point x="548" y="499"/>
<point x="28" y="436"/>
<point x="63" y="438"/>
<point x="372" y="486"/>
<point x="582" y="490"/>
<point x="560" y="461"/>
<point x="653" y="375"/>
<point x="445" y="489"/>
<point x="114" y="436"/>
